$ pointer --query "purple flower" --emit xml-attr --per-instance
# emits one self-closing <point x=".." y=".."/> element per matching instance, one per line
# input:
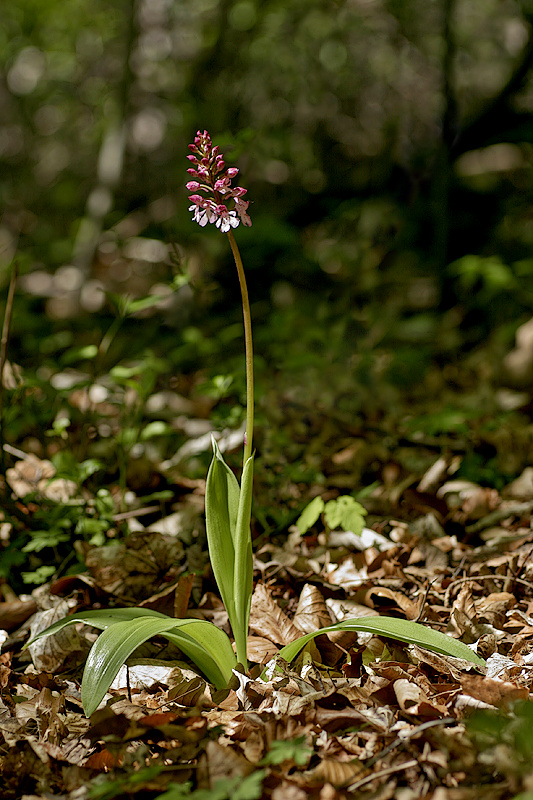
<point x="212" y="179"/>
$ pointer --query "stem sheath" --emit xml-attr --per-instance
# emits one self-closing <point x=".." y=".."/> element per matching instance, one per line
<point x="248" y="348"/>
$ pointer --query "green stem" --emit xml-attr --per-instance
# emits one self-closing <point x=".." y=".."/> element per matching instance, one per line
<point x="248" y="349"/>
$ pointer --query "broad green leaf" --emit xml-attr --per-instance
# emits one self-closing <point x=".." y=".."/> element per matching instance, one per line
<point x="346" y="513"/>
<point x="221" y="509"/>
<point x="310" y="514"/>
<point x="204" y="643"/>
<point x="402" y="629"/>
<point x="243" y="576"/>
<point x="98" y="619"/>
<point x="118" y="641"/>
<point x="205" y="637"/>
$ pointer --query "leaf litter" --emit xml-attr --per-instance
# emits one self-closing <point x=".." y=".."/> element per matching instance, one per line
<point x="354" y="714"/>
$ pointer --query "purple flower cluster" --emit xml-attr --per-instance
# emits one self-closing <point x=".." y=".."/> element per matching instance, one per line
<point x="212" y="179"/>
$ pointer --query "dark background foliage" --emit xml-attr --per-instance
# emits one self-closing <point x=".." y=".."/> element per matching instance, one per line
<point x="380" y="141"/>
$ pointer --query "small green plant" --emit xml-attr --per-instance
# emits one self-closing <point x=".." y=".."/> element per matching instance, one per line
<point x="504" y="737"/>
<point x="344" y="512"/>
<point x="228" y="511"/>
<point x="248" y="788"/>
<point x="288" y="750"/>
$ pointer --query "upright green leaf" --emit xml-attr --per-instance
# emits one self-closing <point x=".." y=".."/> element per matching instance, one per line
<point x="208" y="646"/>
<point x="243" y="574"/>
<point x="221" y="509"/>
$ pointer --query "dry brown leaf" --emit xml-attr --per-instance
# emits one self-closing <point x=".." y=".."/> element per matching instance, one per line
<point x="495" y="693"/>
<point x="268" y="620"/>
<point x="254" y="746"/>
<point x="411" y="608"/>
<point x="413" y="700"/>
<point x="288" y="791"/>
<point x="15" y="612"/>
<point x="132" y="569"/>
<point x="51" y="652"/>
<point x="287" y="705"/>
<point x="312" y="612"/>
<point x="34" y="474"/>
<point x="442" y="664"/>
<point x="492" y="609"/>
<point x="434" y="476"/>
<point x="260" y="650"/>
<point x="224" y="762"/>
<point x="473" y="501"/>
<point x="347" y="575"/>
<point x="335" y="772"/>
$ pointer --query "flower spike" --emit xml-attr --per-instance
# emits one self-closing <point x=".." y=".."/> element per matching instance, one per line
<point x="210" y="178"/>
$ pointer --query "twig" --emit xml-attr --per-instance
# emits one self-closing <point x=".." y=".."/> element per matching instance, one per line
<point x="137" y="512"/>
<point x="406" y="737"/>
<point x="518" y="509"/>
<point x="382" y="774"/>
<point x="14" y="451"/>
<point x="483" y="578"/>
<point x="423" y="603"/>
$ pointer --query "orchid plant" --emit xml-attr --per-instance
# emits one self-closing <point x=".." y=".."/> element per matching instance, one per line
<point x="228" y="507"/>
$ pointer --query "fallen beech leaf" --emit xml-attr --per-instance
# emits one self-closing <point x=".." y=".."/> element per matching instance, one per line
<point x="413" y="700"/>
<point x="15" y="612"/>
<point x="268" y="620"/>
<point x="51" y="652"/>
<point x="223" y="762"/>
<point x="495" y="693"/>
<point x="347" y="575"/>
<point x="260" y="650"/>
<point x="33" y="474"/>
<point x="312" y="611"/>
<point x="492" y="609"/>
<point x="410" y="607"/>
<point x="337" y="773"/>
<point x="289" y="791"/>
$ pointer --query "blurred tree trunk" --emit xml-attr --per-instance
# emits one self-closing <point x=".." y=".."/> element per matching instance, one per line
<point x="110" y="163"/>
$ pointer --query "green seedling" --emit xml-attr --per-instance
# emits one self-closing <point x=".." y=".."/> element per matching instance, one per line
<point x="344" y="512"/>
<point x="228" y="507"/>
<point x="288" y="750"/>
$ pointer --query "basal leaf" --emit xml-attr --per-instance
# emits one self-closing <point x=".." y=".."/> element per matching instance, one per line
<point x="402" y="629"/>
<point x="204" y="636"/>
<point x="98" y="619"/>
<point x="119" y="640"/>
<point x="204" y="643"/>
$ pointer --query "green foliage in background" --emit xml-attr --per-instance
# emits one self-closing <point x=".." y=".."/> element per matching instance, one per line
<point x="504" y="738"/>
<point x="344" y="512"/>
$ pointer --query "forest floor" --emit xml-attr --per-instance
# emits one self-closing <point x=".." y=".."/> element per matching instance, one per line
<point x="445" y="544"/>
